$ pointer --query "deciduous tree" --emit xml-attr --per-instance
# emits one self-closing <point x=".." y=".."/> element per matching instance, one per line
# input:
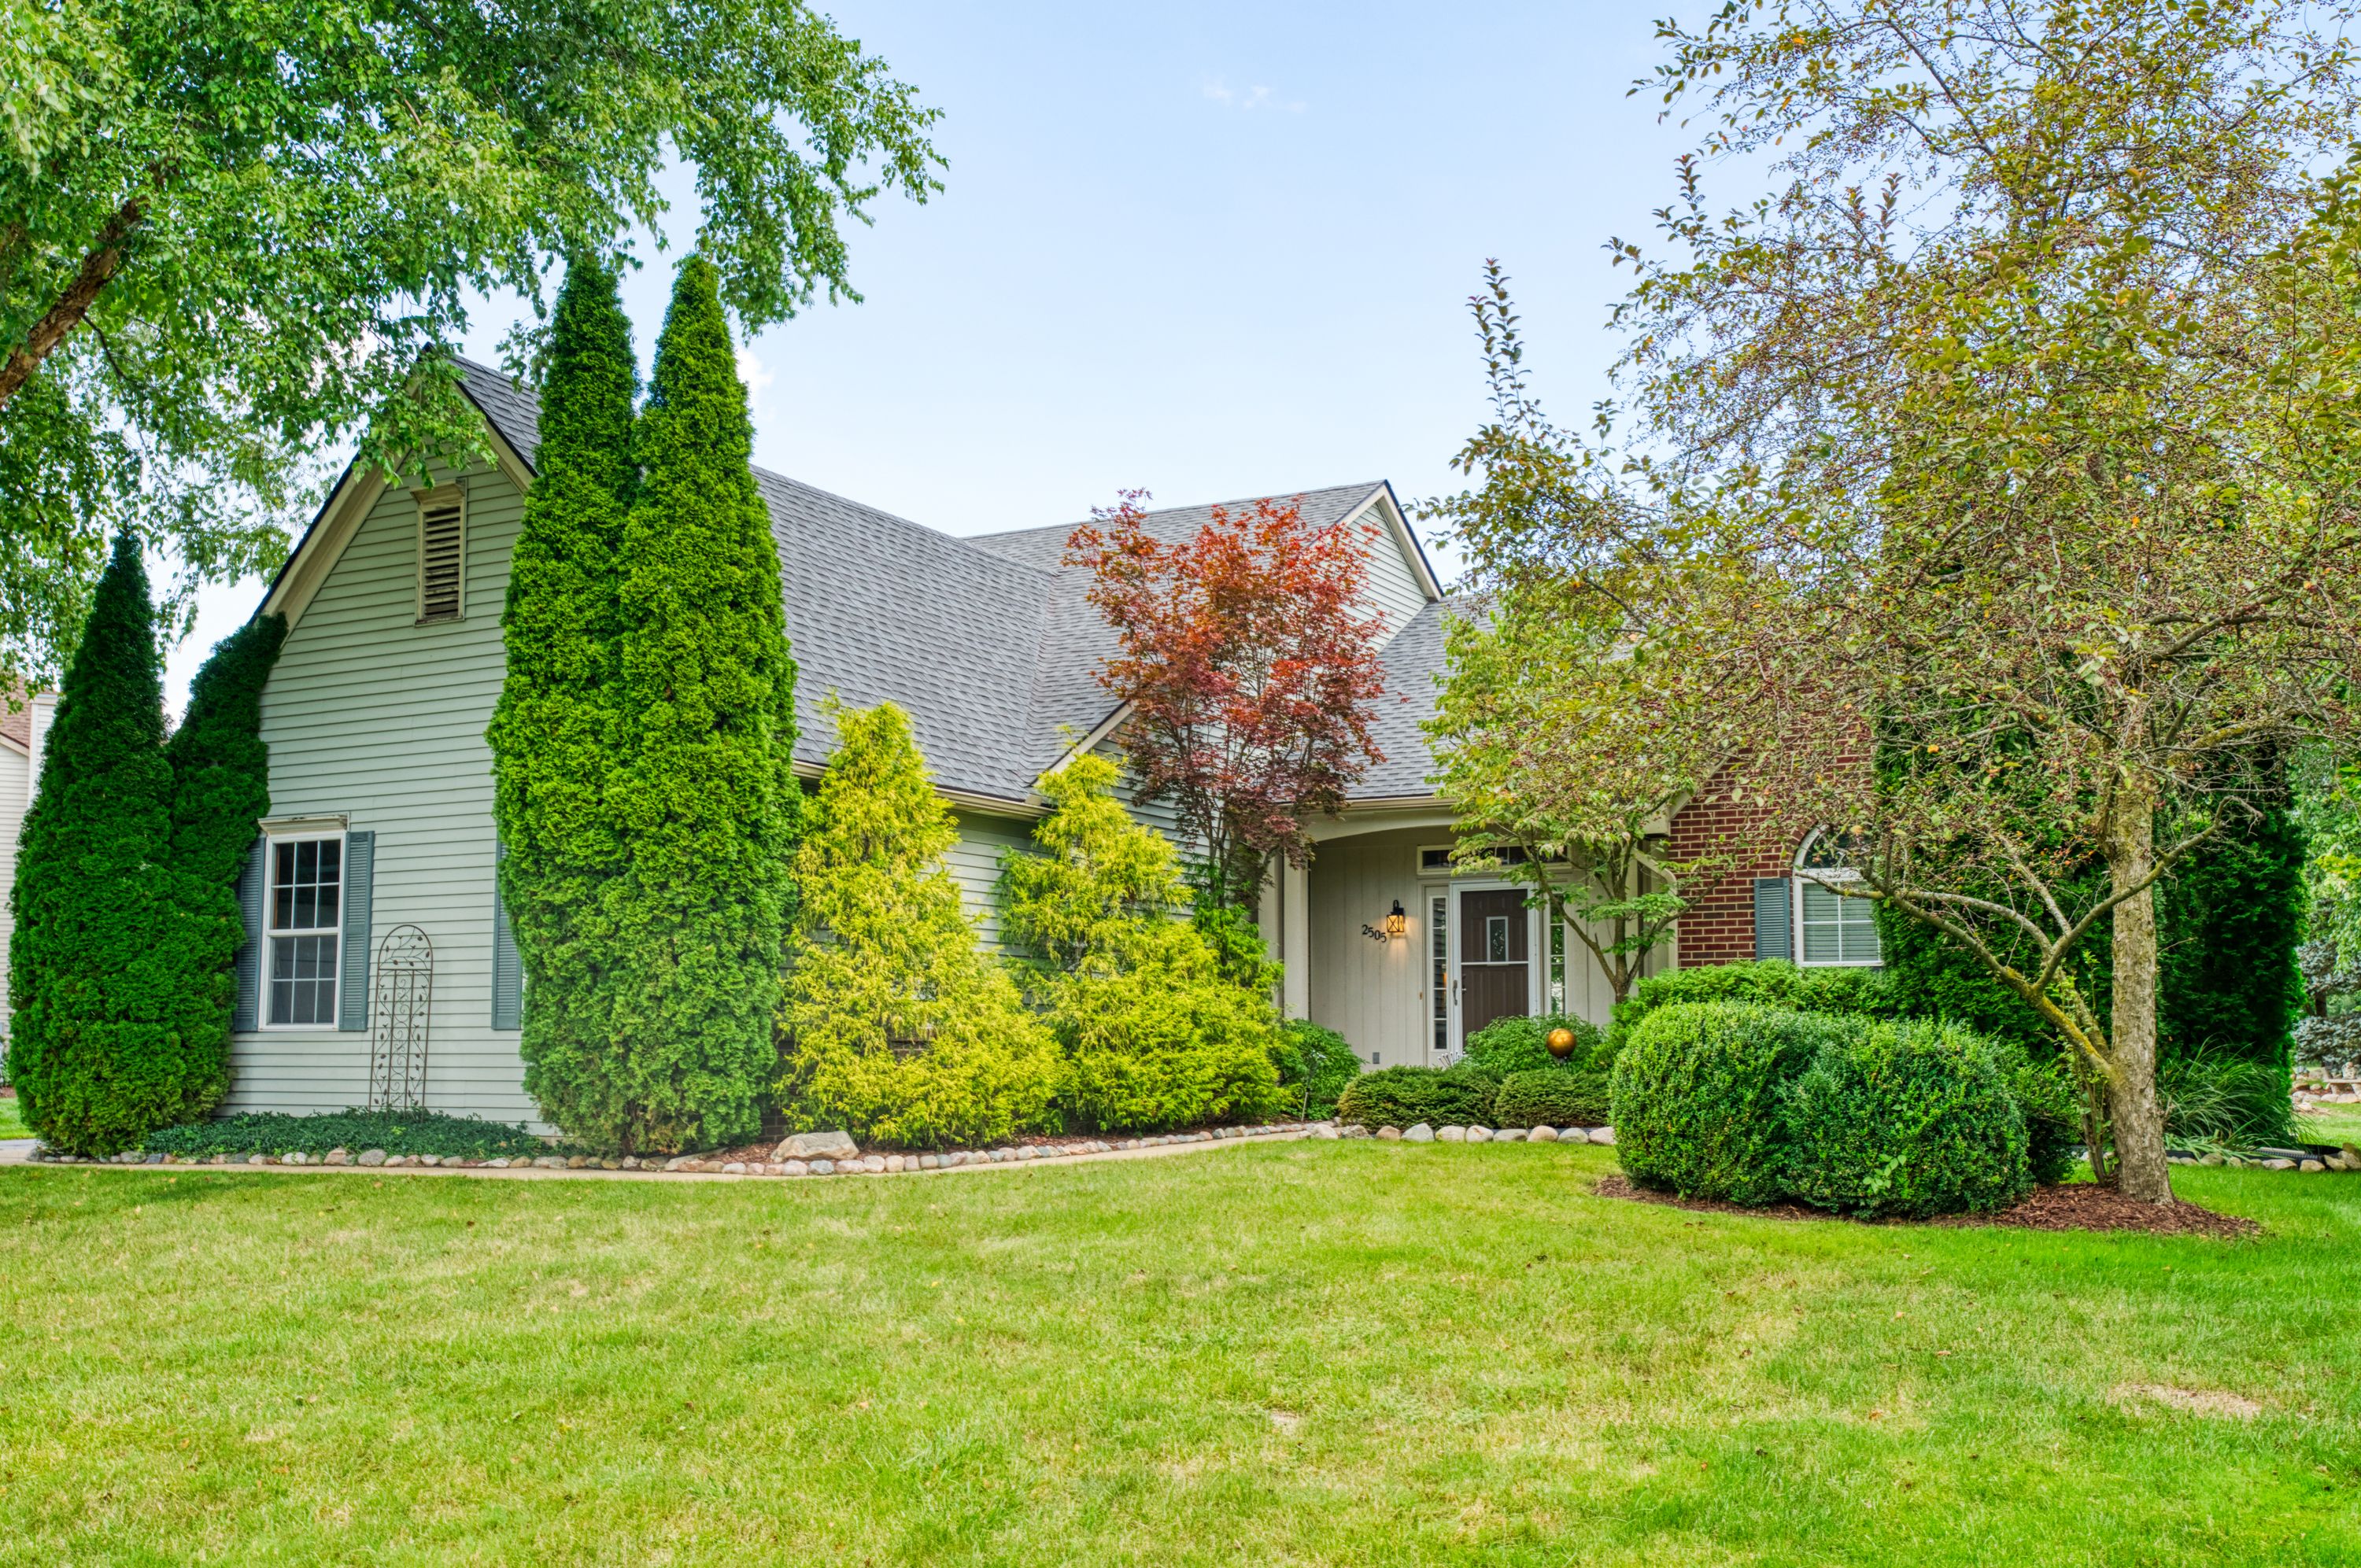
<point x="2015" y="428"/>
<point x="1248" y="661"/>
<point x="230" y="233"/>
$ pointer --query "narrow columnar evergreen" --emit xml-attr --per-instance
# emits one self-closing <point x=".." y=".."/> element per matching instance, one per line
<point x="220" y="788"/>
<point x="552" y="733"/>
<point x="97" y="968"/>
<point x="702" y="790"/>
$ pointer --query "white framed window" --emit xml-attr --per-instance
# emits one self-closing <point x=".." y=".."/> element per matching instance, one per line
<point x="442" y="553"/>
<point x="1832" y="928"/>
<point x="303" y="931"/>
<point x="1438" y="917"/>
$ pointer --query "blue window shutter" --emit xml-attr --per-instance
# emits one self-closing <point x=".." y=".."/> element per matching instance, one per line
<point x="508" y="973"/>
<point x="352" y="989"/>
<point x="252" y="888"/>
<point x="1771" y="919"/>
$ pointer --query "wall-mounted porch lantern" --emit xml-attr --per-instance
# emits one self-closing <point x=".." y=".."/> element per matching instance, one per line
<point x="1397" y="923"/>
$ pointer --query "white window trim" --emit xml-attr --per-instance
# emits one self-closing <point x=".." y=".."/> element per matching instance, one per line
<point x="300" y="830"/>
<point x="440" y="496"/>
<point x="1830" y="878"/>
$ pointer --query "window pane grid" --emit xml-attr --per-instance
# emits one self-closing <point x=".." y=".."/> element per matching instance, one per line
<point x="1439" y="944"/>
<point x="306" y="903"/>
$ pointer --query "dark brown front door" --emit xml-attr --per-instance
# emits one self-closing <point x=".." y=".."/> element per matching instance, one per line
<point x="1494" y="981"/>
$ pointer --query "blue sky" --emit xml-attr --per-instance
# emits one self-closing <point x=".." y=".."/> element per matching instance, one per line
<point x="1216" y="251"/>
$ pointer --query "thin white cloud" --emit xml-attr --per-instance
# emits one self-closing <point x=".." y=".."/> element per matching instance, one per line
<point x="751" y="371"/>
<point x="1246" y="99"/>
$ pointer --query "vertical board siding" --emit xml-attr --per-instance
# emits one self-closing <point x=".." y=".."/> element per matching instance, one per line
<point x="373" y="715"/>
<point x="1373" y="993"/>
<point x="1394" y="586"/>
<point x="974" y="863"/>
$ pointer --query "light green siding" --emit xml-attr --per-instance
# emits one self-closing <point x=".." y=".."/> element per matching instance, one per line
<point x="373" y="715"/>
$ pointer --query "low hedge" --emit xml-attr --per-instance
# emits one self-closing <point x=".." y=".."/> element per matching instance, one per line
<point x="1697" y="1097"/>
<point x="1552" y="1097"/>
<point x="1905" y="1121"/>
<point x="395" y="1132"/>
<point x="1462" y="1094"/>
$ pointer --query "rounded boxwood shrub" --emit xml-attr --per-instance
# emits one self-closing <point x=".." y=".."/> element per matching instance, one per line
<point x="1461" y="1094"/>
<point x="1508" y="1045"/>
<point x="1772" y="983"/>
<point x="1552" y="1097"/>
<point x="1905" y="1120"/>
<point x="1696" y="1096"/>
<point x="2053" y="1109"/>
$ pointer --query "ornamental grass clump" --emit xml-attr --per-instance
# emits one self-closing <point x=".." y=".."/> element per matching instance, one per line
<point x="1905" y="1121"/>
<point x="1697" y="1094"/>
<point x="898" y="1026"/>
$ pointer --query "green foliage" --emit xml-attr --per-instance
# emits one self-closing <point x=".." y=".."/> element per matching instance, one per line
<point x="557" y="729"/>
<point x="395" y="1132"/>
<point x="1521" y="1044"/>
<point x="1553" y="1097"/>
<point x="2213" y="1097"/>
<point x="1459" y="1095"/>
<point x="231" y="233"/>
<point x="103" y="965"/>
<point x="220" y="788"/>
<point x="1774" y="982"/>
<point x="1697" y="1091"/>
<point x="1314" y="1067"/>
<point x="1156" y="1029"/>
<point x="2228" y="924"/>
<point x="1906" y="1120"/>
<point x="2052" y="1105"/>
<point x="1167" y="1042"/>
<point x="899" y="1027"/>
<point x="702" y="791"/>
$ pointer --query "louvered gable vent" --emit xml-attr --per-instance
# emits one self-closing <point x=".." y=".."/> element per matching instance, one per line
<point x="442" y="553"/>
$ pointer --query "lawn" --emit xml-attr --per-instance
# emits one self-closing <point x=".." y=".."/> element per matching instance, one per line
<point x="2330" y="1124"/>
<point x="12" y="1120"/>
<point x="1294" y="1353"/>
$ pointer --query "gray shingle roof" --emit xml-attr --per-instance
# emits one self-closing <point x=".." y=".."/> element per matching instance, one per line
<point x="1413" y="661"/>
<point x="987" y="643"/>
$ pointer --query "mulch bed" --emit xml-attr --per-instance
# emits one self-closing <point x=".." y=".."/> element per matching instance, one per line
<point x="2077" y="1206"/>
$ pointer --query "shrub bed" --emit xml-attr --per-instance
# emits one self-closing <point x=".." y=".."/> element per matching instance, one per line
<point x="1508" y="1046"/>
<point x="395" y="1132"/>
<point x="1697" y="1092"/>
<point x="1404" y="1096"/>
<point x="1905" y="1121"/>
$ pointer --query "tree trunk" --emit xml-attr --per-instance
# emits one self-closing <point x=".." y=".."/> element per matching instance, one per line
<point x="98" y="268"/>
<point x="2138" y="1120"/>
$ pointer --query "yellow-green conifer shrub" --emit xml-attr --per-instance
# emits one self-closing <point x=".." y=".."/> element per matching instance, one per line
<point x="1156" y="1033"/>
<point x="898" y="1025"/>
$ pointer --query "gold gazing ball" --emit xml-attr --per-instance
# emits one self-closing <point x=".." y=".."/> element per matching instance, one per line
<point x="1560" y="1041"/>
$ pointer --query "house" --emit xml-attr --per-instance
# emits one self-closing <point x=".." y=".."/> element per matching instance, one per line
<point x="24" y="727"/>
<point x="381" y="789"/>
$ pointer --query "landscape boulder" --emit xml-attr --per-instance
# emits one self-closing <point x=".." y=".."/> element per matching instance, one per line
<point x="818" y="1146"/>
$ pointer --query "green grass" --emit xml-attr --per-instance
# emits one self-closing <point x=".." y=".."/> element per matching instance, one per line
<point x="2330" y="1124"/>
<point x="1296" y="1354"/>
<point x="12" y="1120"/>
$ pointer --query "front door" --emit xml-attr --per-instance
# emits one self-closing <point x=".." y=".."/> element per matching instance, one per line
<point x="1495" y="958"/>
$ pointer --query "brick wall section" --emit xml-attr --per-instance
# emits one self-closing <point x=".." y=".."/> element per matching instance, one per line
<point x="1718" y="925"/>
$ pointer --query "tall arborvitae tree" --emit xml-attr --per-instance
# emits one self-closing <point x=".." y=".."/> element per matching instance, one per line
<point x="552" y="733"/>
<point x="221" y="789"/>
<point x="96" y="968"/>
<point x="702" y="790"/>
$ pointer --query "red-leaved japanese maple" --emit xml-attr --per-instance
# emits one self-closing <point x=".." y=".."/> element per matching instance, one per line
<point x="1248" y="659"/>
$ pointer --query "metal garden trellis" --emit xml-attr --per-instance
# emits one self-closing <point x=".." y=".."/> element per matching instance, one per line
<point x="400" y="1000"/>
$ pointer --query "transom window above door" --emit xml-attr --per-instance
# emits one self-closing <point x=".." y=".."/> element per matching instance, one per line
<point x="306" y="929"/>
